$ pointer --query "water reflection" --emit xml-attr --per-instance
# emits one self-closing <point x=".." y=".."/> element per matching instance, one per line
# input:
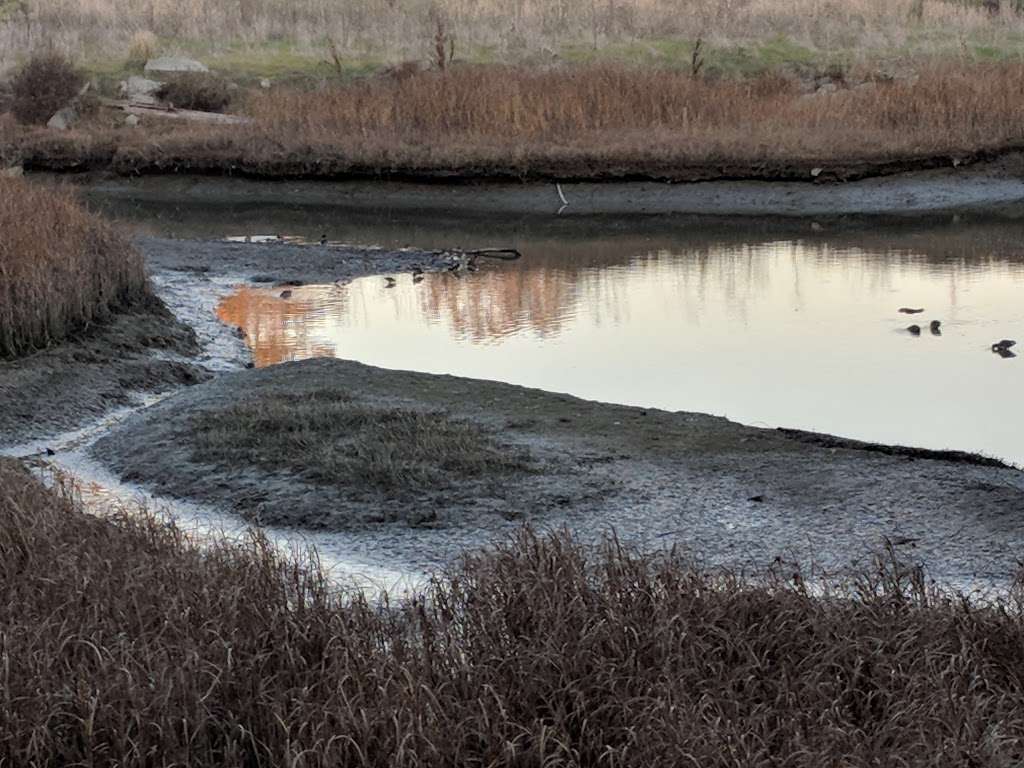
<point x="793" y="333"/>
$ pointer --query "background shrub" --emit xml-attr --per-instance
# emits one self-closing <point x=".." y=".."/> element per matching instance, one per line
<point x="42" y="86"/>
<point x="197" y="90"/>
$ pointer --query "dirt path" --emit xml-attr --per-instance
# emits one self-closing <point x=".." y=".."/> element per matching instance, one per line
<point x="732" y="493"/>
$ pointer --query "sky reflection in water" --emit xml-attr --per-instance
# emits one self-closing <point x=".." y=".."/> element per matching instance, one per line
<point x="784" y="333"/>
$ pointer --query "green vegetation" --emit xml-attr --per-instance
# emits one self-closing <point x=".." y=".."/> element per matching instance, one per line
<point x="327" y="437"/>
<point x="127" y="643"/>
<point x="61" y="269"/>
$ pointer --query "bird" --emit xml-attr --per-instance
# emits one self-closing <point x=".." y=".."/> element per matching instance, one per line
<point x="417" y="278"/>
<point x="1004" y="352"/>
<point x="915" y="330"/>
<point x="286" y="294"/>
<point x="323" y="239"/>
<point x="910" y="311"/>
<point x="416" y="271"/>
<point x="936" y="328"/>
<point x="1004" y="344"/>
<point x="390" y="282"/>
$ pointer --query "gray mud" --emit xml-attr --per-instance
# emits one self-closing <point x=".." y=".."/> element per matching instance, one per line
<point x="974" y="187"/>
<point x="64" y="387"/>
<point x="730" y="493"/>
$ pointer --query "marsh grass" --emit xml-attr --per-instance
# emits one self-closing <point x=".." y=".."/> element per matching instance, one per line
<point x="329" y="438"/>
<point x="126" y="643"/>
<point x="61" y="268"/>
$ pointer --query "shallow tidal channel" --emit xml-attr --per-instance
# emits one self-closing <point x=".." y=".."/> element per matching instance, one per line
<point x="789" y="323"/>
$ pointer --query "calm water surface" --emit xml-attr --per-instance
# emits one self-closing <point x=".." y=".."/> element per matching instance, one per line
<point x="783" y="325"/>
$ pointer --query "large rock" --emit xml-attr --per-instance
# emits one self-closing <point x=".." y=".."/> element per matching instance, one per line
<point x="175" y="64"/>
<point x="140" y="90"/>
<point x="63" y="119"/>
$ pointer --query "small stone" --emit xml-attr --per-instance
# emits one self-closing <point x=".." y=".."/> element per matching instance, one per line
<point x="131" y="121"/>
<point x="816" y="227"/>
<point x="141" y="90"/>
<point x="265" y="82"/>
<point x="175" y="64"/>
<point x="816" y="172"/>
<point x="827" y="88"/>
<point x="63" y="119"/>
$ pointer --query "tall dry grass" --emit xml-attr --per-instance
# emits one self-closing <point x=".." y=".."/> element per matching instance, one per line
<point x="124" y="643"/>
<point x="61" y="269"/>
<point x="616" y="121"/>
<point x="396" y="29"/>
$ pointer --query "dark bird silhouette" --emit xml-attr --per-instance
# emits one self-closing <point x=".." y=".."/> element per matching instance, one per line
<point x="1004" y="352"/>
<point x="323" y="239"/>
<point x="416" y="271"/>
<point x="1004" y="344"/>
<point x="936" y="328"/>
<point x="910" y="311"/>
<point x="915" y="330"/>
<point x="417" y="278"/>
<point x="390" y="282"/>
<point x="286" y="294"/>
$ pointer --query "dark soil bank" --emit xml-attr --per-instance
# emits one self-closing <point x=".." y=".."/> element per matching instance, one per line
<point x="77" y="382"/>
<point x="732" y="493"/>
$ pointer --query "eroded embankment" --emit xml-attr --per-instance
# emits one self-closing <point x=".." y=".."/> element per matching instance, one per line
<point x="720" y="192"/>
<point x="732" y="493"/>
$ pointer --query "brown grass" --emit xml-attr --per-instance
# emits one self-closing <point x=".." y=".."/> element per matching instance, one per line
<point x="124" y="643"/>
<point x="327" y="437"/>
<point x="587" y="122"/>
<point x="61" y="269"/>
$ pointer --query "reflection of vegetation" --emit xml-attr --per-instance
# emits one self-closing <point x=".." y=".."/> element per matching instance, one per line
<point x="328" y="438"/>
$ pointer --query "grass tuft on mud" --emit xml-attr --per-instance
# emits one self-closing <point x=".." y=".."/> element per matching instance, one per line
<point x="327" y="437"/>
<point x="61" y="268"/>
<point x="126" y="642"/>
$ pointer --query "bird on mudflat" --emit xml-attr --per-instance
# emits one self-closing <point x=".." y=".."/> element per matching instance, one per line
<point x="910" y="311"/>
<point x="1004" y="344"/>
<point x="1004" y="352"/>
<point x="915" y="330"/>
<point x="936" y="328"/>
<point x="286" y="294"/>
<point x="390" y="282"/>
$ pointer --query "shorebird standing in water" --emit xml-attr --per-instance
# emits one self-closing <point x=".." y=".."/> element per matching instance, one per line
<point x="323" y="239"/>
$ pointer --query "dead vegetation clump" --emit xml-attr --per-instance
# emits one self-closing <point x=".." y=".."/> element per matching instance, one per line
<point x="329" y="438"/>
<point x="126" y="643"/>
<point x="43" y="85"/>
<point x="61" y="268"/>
<point x="201" y="91"/>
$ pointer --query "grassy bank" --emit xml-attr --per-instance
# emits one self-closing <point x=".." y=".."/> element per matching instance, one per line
<point x="62" y="269"/>
<point x="585" y="122"/>
<point x="126" y="644"/>
<point x="273" y="37"/>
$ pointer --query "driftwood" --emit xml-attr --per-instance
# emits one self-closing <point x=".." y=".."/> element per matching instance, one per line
<point x="156" y="110"/>
<point x="505" y="254"/>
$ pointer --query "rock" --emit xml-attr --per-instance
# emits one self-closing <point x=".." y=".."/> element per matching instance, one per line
<point x="264" y="83"/>
<point x="175" y="64"/>
<point x="131" y="121"/>
<point x="827" y="88"/>
<point x="63" y="119"/>
<point x="816" y="172"/>
<point x="14" y="172"/>
<point x="141" y="90"/>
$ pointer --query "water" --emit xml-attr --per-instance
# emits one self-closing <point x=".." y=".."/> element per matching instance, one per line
<point x="789" y="324"/>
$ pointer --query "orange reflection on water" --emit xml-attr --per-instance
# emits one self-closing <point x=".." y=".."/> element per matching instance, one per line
<point x="277" y="330"/>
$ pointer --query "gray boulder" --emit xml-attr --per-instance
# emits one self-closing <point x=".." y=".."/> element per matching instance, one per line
<point x="141" y="90"/>
<point x="63" y="119"/>
<point x="175" y="64"/>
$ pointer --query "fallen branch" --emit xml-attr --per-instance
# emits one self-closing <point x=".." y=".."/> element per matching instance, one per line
<point x="154" y="110"/>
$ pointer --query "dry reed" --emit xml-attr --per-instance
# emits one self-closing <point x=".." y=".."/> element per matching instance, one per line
<point x="61" y="269"/>
<point x="124" y="643"/>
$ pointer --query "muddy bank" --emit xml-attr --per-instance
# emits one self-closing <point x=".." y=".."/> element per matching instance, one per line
<point x="984" y="186"/>
<point x="280" y="262"/>
<point x="730" y="493"/>
<point x="62" y="388"/>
